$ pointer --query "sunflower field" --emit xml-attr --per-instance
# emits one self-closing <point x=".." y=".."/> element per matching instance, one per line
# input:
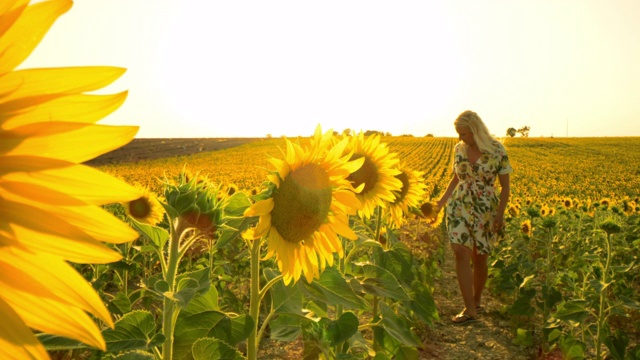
<point x="330" y="242"/>
<point x="217" y="271"/>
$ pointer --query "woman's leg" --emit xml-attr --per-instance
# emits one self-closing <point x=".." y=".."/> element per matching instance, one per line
<point x="480" y="273"/>
<point x="465" y="277"/>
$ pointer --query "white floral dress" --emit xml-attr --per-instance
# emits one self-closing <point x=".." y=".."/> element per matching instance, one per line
<point x="472" y="206"/>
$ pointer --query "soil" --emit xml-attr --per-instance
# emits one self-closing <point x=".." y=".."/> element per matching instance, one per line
<point x="155" y="148"/>
<point x="491" y="337"/>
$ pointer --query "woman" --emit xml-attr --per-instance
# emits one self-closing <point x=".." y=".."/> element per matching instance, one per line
<point x="474" y="213"/>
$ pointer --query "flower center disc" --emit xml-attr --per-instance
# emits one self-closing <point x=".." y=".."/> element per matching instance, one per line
<point x="140" y="208"/>
<point x="400" y="195"/>
<point x="367" y="174"/>
<point x="302" y="202"/>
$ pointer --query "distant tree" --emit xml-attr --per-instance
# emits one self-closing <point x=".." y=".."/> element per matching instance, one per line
<point x="269" y="136"/>
<point x="406" y="135"/>
<point x="387" y="134"/>
<point x="524" y="131"/>
<point x="429" y="135"/>
<point x="347" y="132"/>
<point x="511" y="132"/>
<point x="371" y="132"/>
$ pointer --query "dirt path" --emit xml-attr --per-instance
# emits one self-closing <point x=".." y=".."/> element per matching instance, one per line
<point x="489" y="338"/>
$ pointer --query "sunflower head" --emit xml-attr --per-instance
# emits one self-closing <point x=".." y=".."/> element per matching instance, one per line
<point x="408" y="197"/>
<point x="544" y="210"/>
<point x="145" y="209"/>
<point x="514" y="210"/>
<point x="429" y="210"/>
<point x="567" y="202"/>
<point x="304" y="206"/>
<point x="194" y="203"/>
<point x="308" y="194"/>
<point x="50" y="201"/>
<point x="610" y="226"/>
<point x="525" y="227"/>
<point x="376" y="179"/>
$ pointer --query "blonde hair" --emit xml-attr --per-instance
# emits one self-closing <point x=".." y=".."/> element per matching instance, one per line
<point x="470" y="120"/>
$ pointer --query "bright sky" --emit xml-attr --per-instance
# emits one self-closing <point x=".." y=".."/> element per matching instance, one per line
<point x="249" y="68"/>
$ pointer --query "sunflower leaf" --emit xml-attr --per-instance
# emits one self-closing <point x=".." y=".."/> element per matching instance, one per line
<point x="286" y="299"/>
<point x="422" y="303"/>
<point x="55" y="342"/>
<point x="134" y="331"/>
<point x="134" y="355"/>
<point x="333" y="289"/>
<point x="214" y="349"/>
<point x="342" y="329"/>
<point x="120" y="304"/>
<point x="158" y="236"/>
<point x="398" y="327"/>
<point x="380" y="282"/>
<point x="216" y="324"/>
<point x="190" y="285"/>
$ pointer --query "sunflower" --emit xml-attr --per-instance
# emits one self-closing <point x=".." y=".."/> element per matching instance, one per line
<point x="544" y="210"/>
<point x="409" y="196"/>
<point x="432" y="213"/>
<point x="567" y="202"/>
<point x="307" y="208"/>
<point x="376" y="180"/>
<point x="145" y="209"/>
<point x="50" y="204"/>
<point x="514" y="210"/>
<point x="526" y="228"/>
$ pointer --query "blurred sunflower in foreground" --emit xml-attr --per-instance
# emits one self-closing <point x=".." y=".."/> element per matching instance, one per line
<point x="377" y="176"/>
<point x="307" y="207"/>
<point x="50" y="210"/>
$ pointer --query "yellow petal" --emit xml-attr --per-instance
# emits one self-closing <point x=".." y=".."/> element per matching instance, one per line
<point x="259" y="208"/>
<point x="17" y="340"/>
<point x="50" y="81"/>
<point x="49" y="277"/>
<point x="74" y="108"/>
<point x="347" y="198"/>
<point x="23" y="36"/>
<point x="84" y="183"/>
<point x="82" y="223"/>
<point x="264" y="225"/>
<point x="74" y="142"/>
<point x="10" y="10"/>
<point x="79" y="251"/>
<point x="342" y="228"/>
<point x="95" y="222"/>
<point x="55" y="318"/>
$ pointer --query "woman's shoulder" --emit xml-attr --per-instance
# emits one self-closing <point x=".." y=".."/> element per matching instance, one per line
<point x="498" y="147"/>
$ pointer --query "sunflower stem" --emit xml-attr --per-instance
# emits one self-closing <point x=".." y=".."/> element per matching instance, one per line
<point x="374" y="309"/>
<point x="602" y="317"/>
<point x="254" y="301"/>
<point x="168" y="318"/>
<point x="378" y="223"/>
